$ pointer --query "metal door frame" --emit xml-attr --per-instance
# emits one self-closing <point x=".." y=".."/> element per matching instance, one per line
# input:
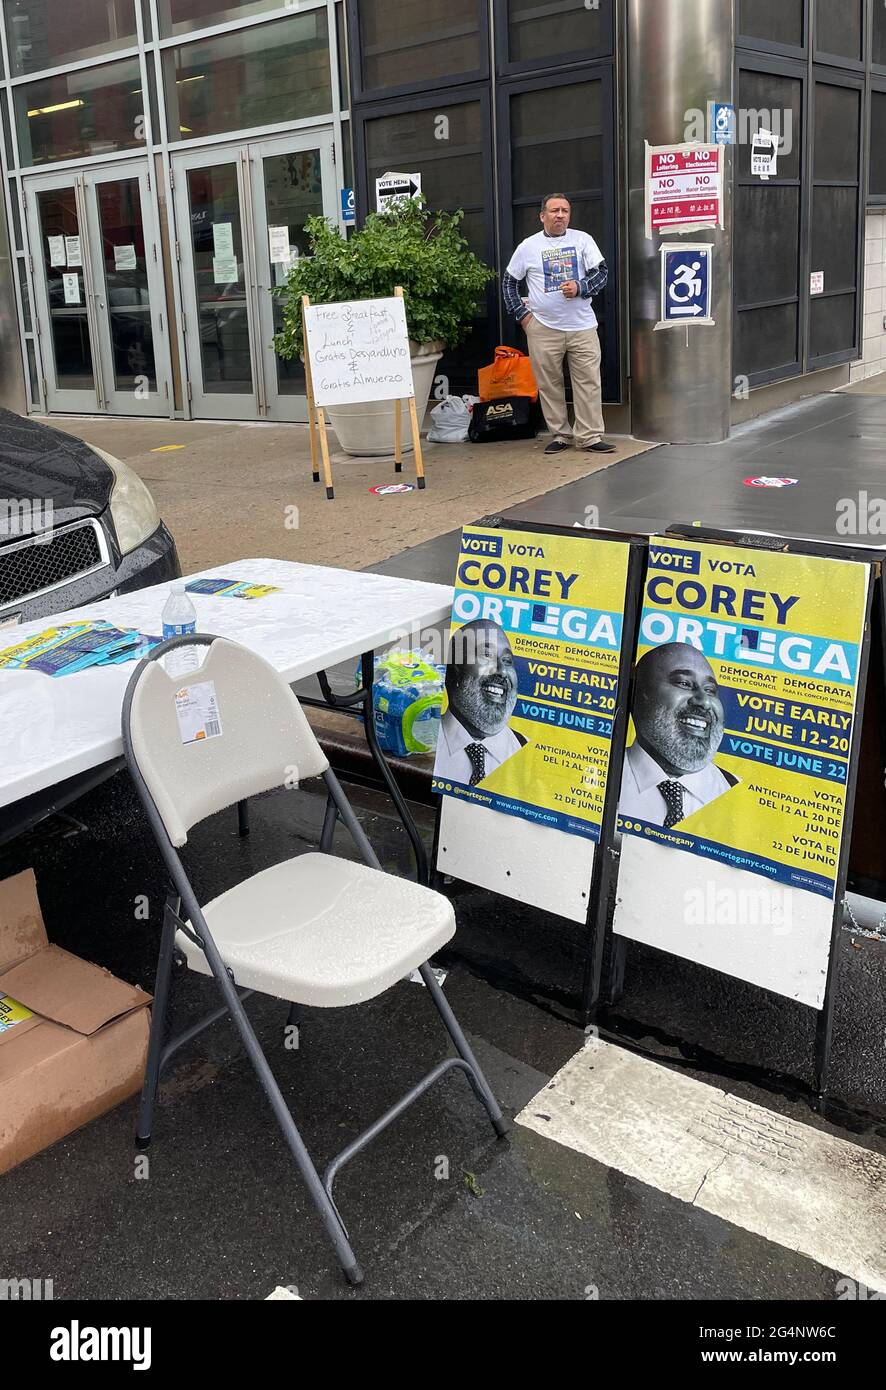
<point x="279" y="405"/>
<point x="265" y="401"/>
<point x="62" y="400"/>
<point x="199" y="403"/>
<point x="65" y="400"/>
<point x="125" y="402"/>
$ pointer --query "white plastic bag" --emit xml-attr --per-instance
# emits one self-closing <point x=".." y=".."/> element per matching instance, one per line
<point x="450" y="420"/>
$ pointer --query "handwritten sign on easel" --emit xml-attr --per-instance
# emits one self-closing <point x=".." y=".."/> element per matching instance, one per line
<point x="358" y="352"/>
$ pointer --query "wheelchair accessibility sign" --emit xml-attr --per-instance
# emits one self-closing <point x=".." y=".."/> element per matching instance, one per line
<point x="686" y="286"/>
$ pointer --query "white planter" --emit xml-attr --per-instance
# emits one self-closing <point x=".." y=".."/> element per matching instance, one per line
<point x="366" y="430"/>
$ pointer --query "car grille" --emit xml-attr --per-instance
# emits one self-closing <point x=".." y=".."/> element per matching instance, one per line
<point x="43" y="564"/>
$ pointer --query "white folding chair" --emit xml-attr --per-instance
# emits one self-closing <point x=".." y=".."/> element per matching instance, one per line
<point x="314" y="930"/>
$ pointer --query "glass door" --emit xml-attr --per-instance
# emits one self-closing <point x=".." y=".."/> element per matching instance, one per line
<point x="99" y="289"/>
<point x="211" y="212"/>
<point x="65" y="321"/>
<point x="129" y="293"/>
<point x="240" y="213"/>
<point x="293" y="178"/>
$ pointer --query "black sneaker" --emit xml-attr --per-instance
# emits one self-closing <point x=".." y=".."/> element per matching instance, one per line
<point x="556" y="446"/>
<point x="601" y="447"/>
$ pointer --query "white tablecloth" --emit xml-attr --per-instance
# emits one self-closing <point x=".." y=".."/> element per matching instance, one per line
<point x="52" y="728"/>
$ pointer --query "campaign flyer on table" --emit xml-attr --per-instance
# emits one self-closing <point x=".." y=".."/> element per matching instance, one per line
<point x="532" y="675"/>
<point x="745" y="693"/>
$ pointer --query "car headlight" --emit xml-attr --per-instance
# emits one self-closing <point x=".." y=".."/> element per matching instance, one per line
<point x="133" y="510"/>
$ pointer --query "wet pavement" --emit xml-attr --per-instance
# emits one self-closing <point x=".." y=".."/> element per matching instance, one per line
<point x="436" y="1206"/>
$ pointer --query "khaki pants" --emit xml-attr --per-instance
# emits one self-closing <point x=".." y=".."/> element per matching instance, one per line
<point x="547" y="349"/>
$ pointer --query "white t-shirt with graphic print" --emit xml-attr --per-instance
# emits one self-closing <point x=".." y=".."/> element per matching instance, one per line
<point x="546" y="262"/>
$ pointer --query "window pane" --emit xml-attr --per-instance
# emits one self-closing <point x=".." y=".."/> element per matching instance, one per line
<point x="835" y="236"/>
<point x="344" y="73"/>
<point x="152" y="99"/>
<point x="838" y="27"/>
<point x="183" y="16"/>
<point x="766" y="258"/>
<point x="252" y="77"/>
<point x="69" y="325"/>
<point x="293" y="193"/>
<point x="837" y="111"/>
<point x="347" y="155"/>
<point x="404" y="42"/>
<point x="773" y="21"/>
<point x="557" y="140"/>
<point x="14" y="195"/>
<point x="226" y="359"/>
<point x="81" y="113"/>
<point x="127" y="299"/>
<point x="770" y="102"/>
<point x="878" y="144"/>
<point x="26" y="299"/>
<point x="32" y="373"/>
<point x="832" y="327"/>
<point x="879" y="54"/>
<point x="45" y="34"/>
<point x="539" y="31"/>
<point x="7" y="133"/>
<point x="451" y="170"/>
<point x="766" y="339"/>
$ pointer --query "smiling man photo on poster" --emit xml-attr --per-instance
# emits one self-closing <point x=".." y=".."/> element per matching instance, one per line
<point x="669" y="770"/>
<point x="481" y="686"/>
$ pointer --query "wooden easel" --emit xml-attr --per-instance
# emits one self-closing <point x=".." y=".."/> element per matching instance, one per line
<point x="318" y="420"/>
<point x="317" y="423"/>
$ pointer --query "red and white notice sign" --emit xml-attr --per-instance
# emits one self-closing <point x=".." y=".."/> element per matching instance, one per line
<point x="684" y="188"/>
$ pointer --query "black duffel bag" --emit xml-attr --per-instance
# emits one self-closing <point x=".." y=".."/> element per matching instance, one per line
<point x="512" y="417"/>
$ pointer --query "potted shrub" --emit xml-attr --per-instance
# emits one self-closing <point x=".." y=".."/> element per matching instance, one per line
<point x="442" y="281"/>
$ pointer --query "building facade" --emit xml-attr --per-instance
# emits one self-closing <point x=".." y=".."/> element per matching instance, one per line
<point x="160" y="158"/>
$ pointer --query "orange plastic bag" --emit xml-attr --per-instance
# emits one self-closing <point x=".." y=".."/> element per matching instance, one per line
<point x="510" y="374"/>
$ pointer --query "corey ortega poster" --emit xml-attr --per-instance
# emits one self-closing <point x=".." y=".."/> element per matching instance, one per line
<point x="532" y="675"/>
<point x="745" y="694"/>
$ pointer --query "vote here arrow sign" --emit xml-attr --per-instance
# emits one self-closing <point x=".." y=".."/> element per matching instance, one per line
<point x="391" y="187"/>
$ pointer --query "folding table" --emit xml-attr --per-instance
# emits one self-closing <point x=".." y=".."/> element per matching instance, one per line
<point x="60" y="736"/>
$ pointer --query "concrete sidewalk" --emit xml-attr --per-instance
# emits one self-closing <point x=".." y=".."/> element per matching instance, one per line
<point x="231" y="491"/>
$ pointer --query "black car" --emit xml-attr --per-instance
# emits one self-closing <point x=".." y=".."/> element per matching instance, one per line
<point x="75" y="524"/>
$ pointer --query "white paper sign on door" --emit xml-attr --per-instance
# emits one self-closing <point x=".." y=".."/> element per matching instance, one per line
<point x="764" y="155"/>
<point x="72" y="288"/>
<point x="224" y="270"/>
<point x="72" y="250"/>
<point x="223" y="240"/>
<point x="57" y="255"/>
<point x="124" y="258"/>
<point x="278" y="240"/>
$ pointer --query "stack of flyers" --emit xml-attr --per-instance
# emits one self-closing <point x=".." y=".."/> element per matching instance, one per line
<point x="70" y="647"/>
<point x="230" y="588"/>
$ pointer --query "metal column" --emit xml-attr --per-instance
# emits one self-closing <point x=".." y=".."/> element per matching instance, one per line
<point x="12" y="380"/>
<point x="679" y="57"/>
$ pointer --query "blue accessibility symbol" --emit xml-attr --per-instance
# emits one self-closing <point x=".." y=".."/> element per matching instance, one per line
<point x="722" y="123"/>
<point x="686" y="284"/>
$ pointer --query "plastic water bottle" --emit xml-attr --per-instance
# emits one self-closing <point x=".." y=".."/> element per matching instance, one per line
<point x="179" y="618"/>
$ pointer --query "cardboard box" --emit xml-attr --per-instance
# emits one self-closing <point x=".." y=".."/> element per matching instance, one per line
<point x="73" y="1039"/>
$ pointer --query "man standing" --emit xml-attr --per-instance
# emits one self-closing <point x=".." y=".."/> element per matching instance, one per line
<point x="563" y="270"/>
